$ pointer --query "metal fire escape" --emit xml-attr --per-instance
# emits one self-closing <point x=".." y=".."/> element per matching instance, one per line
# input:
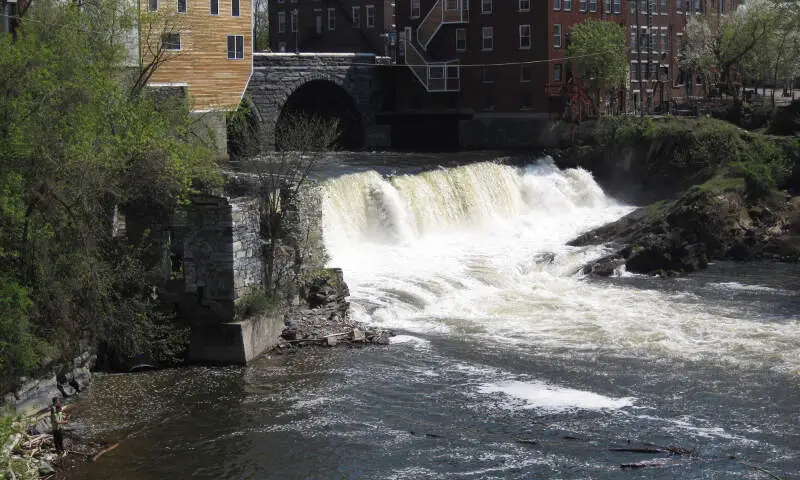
<point x="435" y="76"/>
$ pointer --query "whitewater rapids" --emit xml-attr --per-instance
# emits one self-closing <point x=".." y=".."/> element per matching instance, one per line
<point x="480" y="250"/>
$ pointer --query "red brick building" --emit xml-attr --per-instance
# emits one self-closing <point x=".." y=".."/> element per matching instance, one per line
<point x="331" y="26"/>
<point x="472" y="55"/>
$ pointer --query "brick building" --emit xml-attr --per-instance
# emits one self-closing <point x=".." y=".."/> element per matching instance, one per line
<point x="473" y="55"/>
<point x="354" y="26"/>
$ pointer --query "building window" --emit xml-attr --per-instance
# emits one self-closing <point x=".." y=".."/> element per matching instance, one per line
<point x="557" y="35"/>
<point x="486" y="6"/>
<point x="525" y="99"/>
<point x="668" y="43"/>
<point x="643" y="6"/>
<point x="634" y="43"/>
<point x="556" y="4"/>
<point x="487" y="74"/>
<point x="524" y="37"/>
<point x="567" y="5"/>
<point x="556" y="72"/>
<point x="214" y="7"/>
<point x="152" y="5"/>
<point x="461" y="39"/>
<point x="370" y="16"/>
<point x="635" y="72"/>
<point x="281" y="22"/>
<point x="663" y="40"/>
<point x="524" y="5"/>
<point x="331" y="19"/>
<point x="583" y="5"/>
<point x="678" y="4"/>
<point x="282" y="47"/>
<point x="181" y="6"/>
<point x="489" y="100"/>
<point x="488" y="38"/>
<point x="617" y="6"/>
<point x="415" y="9"/>
<point x="356" y="17"/>
<point x="234" y="8"/>
<point x="607" y="6"/>
<point x="235" y="47"/>
<point x="293" y="20"/>
<point x="524" y="73"/>
<point x="592" y="5"/>
<point x="633" y="6"/>
<point x="654" y="41"/>
<point x="171" y="41"/>
<point x="664" y="6"/>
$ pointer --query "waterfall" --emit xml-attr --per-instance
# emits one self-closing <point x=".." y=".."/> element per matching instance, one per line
<point x="366" y="207"/>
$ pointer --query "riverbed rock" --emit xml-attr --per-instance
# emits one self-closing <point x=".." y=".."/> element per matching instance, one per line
<point x="701" y="225"/>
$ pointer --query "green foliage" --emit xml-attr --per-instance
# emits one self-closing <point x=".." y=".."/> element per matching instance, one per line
<point x="599" y="56"/>
<point x="713" y="153"/>
<point x="20" y="349"/>
<point x="76" y="141"/>
<point x="254" y="303"/>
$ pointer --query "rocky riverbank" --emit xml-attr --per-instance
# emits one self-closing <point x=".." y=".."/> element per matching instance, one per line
<point x="723" y="194"/>
<point x="322" y="317"/>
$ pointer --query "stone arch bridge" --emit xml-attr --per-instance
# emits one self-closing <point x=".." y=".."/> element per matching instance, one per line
<point x="279" y="78"/>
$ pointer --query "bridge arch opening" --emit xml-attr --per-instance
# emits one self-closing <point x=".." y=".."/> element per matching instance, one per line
<point x="319" y="115"/>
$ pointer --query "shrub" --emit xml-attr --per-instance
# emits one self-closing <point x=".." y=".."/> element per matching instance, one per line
<point x="254" y="303"/>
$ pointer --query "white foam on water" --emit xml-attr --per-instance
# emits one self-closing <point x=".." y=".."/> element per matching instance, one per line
<point x="539" y="395"/>
<point x="480" y="251"/>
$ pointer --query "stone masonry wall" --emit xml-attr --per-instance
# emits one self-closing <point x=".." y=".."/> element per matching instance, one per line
<point x="248" y="258"/>
<point x="277" y="75"/>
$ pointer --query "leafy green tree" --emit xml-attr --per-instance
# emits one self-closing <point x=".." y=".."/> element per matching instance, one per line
<point x="597" y="52"/>
<point x="718" y="48"/>
<point x="76" y="141"/>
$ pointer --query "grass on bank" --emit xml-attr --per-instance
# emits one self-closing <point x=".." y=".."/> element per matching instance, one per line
<point x="706" y="152"/>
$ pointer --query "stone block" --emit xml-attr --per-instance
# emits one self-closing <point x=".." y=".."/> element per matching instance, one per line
<point x="235" y="342"/>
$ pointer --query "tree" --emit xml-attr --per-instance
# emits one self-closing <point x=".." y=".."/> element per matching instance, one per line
<point x="597" y="52"/>
<point x="74" y="144"/>
<point x="717" y="48"/>
<point x="260" y="25"/>
<point x="289" y="200"/>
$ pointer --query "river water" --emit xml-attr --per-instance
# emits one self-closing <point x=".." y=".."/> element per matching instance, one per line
<point x="506" y="363"/>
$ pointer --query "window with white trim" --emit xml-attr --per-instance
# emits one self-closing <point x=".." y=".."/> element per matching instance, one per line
<point x="583" y="5"/>
<point x="617" y="6"/>
<point x="556" y="35"/>
<point x="171" y="41"/>
<point x="556" y="72"/>
<point x="356" y="16"/>
<point x="281" y="22"/>
<point x="152" y="5"/>
<point x="486" y="6"/>
<point x="567" y="5"/>
<point x="488" y="38"/>
<point x="331" y="19"/>
<point x="181" y="6"/>
<point x="235" y="47"/>
<point x="524" y="37"/>
<point x="664" y="6"/>
<point x="234" y="8"/>
<point x="415" y="8"/>
<point x="461" y="39"/>
<point x="370" y="9"/>
<point x="524" y="5"/>
<point x="214" y="7"/>
<point x="556" y="4"/>
<point x="607" y="6"/>
<point x="592" y="5"/>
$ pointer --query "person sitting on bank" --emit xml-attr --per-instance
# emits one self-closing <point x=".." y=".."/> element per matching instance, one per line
<point x="58" y="420"/>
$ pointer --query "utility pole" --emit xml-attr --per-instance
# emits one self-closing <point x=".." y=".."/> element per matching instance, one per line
<point x="296" y="15"/>
<point x="6" y="13"/>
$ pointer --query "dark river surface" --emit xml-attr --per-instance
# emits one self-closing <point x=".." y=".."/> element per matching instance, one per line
<point x="506" y="363"/>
